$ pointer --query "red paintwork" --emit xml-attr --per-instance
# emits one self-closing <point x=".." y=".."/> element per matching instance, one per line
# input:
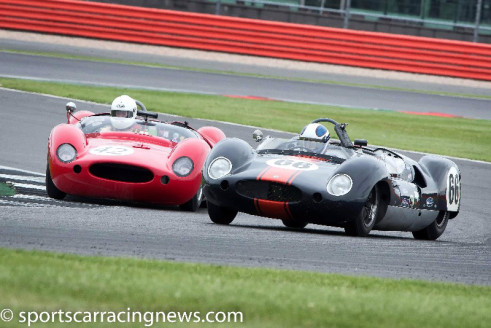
<point x="150" y="152"/>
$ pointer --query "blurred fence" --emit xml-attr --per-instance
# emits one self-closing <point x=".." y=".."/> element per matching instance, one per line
<point x="249" y="36"/>
<point x="443" y="14"/>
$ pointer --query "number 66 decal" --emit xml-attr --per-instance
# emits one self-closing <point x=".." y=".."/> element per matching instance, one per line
<point x="453" y="190"/>
<point x="292" y="164"/>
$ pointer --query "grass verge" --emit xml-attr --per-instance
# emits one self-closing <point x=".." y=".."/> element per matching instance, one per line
<point x="40" y="281"/>
<point x="6" y="190"/>
<point x="194" y="69"/>
<point x="460" y="137"/>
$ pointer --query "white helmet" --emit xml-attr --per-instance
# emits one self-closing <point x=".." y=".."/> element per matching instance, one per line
<point x="315" y="132"/>
<point x="124" y="106"/>
<point x="123" y="112"/>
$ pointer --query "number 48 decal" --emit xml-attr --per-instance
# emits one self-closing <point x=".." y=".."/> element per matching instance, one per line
<point x="453" y="190"/>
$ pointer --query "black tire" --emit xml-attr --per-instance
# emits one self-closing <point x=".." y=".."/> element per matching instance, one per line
<point x="363" y="224"/>
<point x="294" y="224"/>
<point x="51" y="189"/>
<point x="193" y="204"/>
<point x="435" y="229"/>
<point x="221" y="215"/>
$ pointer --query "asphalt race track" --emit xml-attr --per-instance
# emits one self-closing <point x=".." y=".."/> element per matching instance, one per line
<point x="30" y="220"/>
<point x="110" y="74"/>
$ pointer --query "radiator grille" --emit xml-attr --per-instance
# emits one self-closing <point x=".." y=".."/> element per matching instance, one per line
<point x="121" y="172"/>
<point x="268" y="190"/>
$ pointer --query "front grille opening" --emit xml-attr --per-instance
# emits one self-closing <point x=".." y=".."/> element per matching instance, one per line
<point x="121" y="172"/>
<point x="268" y="190"/>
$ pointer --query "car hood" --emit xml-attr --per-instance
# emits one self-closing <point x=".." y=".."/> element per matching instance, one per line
<point x="287" y="168"/>
<point x="129" y="151"/>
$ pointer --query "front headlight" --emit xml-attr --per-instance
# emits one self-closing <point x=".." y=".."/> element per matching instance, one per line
<point x="183" y="166"/>
<point x="219" y="168"/>
<point x="66" y="153"/>
<point x="339" y="185"/>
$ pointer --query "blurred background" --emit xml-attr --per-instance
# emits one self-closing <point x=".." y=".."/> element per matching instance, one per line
<point x="467" y="20"/>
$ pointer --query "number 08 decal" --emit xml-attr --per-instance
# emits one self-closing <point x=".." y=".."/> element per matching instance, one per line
<point x="453" y="190"/>
<point x="112" y="150"/>
<point x="292" y="164"/>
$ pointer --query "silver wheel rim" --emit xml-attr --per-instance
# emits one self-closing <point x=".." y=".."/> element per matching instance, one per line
<point x="370" y="209"/>
<point x="440" y="222"/>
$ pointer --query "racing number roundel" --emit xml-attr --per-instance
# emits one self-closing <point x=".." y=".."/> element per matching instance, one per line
<point x="453" y="190"/>
<point x="110" y="150"/>
<point x="292" y="164"/>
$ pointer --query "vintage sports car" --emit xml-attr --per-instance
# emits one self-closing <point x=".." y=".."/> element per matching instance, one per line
<point x="335" y="183"/>
<point x="149" y="161"/>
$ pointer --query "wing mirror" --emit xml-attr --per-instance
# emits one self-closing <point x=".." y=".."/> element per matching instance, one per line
<point x="257" y="135"/>
<point x="361" y="142"/>
<point x="70" y="107"/>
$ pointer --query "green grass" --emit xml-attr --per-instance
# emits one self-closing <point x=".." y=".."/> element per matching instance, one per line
<point x="6" y="190"/>
<point x="460" y="137"/>
<point x="137" y="63"/>
<point x="39" y="281"/>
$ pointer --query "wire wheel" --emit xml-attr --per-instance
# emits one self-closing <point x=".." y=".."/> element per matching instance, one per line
<point x="364" y="223"/>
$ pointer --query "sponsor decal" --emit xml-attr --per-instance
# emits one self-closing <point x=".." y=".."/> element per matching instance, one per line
<point x="430" y="202"/>
<point x="110" y="150"/>
<point x="405" y="202"/>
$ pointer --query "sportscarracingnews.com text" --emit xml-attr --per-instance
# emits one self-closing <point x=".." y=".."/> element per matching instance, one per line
<point x="148" y="318"/>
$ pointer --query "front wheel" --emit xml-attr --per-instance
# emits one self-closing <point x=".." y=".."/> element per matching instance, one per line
<point x="294" y="224"/>
<point x="367" y="218"/>
<point x="51" y="189"/>
<point x="221" y="215"/>
<point x="435" y="229"/>
<point x="195" y="202"/>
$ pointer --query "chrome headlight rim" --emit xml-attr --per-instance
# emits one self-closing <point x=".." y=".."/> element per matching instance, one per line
<point x="66" y="147"/>
<point x="333" y="179"/>
<point x="178" y="162"/>
<point x="227" y="171"/>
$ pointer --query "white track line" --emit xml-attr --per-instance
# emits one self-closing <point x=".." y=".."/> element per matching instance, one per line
<point x="9" y="177"/>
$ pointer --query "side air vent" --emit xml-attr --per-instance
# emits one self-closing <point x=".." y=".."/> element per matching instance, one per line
<point x="419" y="178"/>
<point x="121" y="172"/>
<point x="268" y="190"/>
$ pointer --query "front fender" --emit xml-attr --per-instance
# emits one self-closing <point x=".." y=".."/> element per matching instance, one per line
<point x="197" y="150"/>
<point x="66" y="133"/>
<point x="239" y="152"/>
<point x="365" y="173"/>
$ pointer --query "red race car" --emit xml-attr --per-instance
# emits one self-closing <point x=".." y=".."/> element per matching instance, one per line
<point x="133" y="158"/>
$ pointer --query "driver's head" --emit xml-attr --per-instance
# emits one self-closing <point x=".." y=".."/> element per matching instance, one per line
<point x="315" y="132"/>
<point x="124" y="106"/>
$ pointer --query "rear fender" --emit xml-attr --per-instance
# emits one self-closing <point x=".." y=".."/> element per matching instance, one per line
<point x="211" y="134"/>
<point x="77" y="116"/>
<point x="447" y="177"/>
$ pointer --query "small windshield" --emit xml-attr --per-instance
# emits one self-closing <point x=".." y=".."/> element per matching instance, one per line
<point x="101" y="124"/>
<point x="309" y="147"/>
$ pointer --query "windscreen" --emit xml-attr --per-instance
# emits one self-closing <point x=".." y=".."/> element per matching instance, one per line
<point x="101" y="124"/>
<point x="309" y="147"/>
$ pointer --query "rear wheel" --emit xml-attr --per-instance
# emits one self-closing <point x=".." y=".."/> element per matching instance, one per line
<point x="51" y="189"/>
<point x="435" y="229"/>
<point x="221" y="215"/>
<point x="364" y="223"/>
<point x="195" y="202"/>
<point x="294" y="224"/>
